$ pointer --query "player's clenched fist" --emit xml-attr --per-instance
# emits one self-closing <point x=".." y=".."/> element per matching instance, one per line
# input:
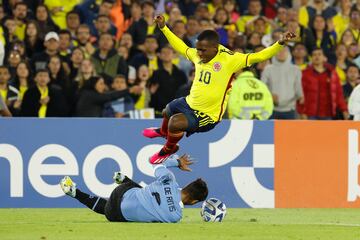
<point x="287" y="36"/>
<point x="160" y="21"/>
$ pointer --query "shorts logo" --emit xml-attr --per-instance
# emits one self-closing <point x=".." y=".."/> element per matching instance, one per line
<point x="217" y="66"/>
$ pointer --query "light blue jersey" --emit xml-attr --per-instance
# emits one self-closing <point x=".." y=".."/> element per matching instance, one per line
<point x="160" y="201"/>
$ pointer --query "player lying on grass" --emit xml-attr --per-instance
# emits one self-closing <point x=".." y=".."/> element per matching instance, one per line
<point x="206" y="104"/>
<point x="160" y="201"/>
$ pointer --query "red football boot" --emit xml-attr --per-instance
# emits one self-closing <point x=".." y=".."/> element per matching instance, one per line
<point x="162" y="155"/>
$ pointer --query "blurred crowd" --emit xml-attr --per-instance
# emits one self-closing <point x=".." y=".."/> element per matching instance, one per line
<point x="107" y="58"/>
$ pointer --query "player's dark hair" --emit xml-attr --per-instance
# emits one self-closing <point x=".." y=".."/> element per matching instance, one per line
<point x="197" y="190"/>
<point x="209" y="35"/>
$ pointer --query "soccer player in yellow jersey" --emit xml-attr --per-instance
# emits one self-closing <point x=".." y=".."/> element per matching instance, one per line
<point x="204" y="107"/>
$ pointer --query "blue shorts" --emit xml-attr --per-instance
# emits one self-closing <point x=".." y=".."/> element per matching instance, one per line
<point x="198" y="121"/>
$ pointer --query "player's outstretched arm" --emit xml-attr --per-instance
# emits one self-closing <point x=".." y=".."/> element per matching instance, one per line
<point x="269" y="52"/>
<point x="174" y="41"/>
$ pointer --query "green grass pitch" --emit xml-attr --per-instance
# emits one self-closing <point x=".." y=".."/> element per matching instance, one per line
<point x="249" y="224"/>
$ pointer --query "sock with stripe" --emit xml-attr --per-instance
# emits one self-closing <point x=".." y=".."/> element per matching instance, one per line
<point x="164" y="126"/>
<point x="97" y="204"/>
<point x="172" y="140"/>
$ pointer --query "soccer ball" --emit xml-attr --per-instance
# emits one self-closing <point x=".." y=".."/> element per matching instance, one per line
<point x="213" y="210"/>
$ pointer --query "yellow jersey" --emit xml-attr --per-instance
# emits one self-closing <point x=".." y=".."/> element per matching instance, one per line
<point x="210" y="90"/>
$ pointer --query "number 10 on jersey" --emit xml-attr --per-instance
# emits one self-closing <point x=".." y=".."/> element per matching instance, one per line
<point x="205" y="77"/>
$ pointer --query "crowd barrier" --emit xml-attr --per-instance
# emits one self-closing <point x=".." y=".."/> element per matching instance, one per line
<point x="247" y="164"/>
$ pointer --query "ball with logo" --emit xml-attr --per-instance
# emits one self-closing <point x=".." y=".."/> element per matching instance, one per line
<point x="213" y="210"/>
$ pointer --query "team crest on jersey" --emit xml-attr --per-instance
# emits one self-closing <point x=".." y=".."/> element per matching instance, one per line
<point x="217" y="66"/>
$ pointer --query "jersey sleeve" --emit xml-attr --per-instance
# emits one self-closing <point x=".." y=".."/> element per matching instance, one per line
<point x="178" y="44"/>
<point x="240" y="61"/>
<point x="265" y="54"/>
<point x="162" y="173"/>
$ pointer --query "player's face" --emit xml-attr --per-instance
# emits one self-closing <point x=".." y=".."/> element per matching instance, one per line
<point x="206" y="50"/>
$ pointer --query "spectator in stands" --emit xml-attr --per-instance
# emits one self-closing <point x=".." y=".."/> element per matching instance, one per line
<point x="145" y="26"/>
<point x="89" y="10"/>
<point x="179" y="28"/>
<point x="124" y="52"/>
<point x="76" y="58"/>
<point x="230" y="8"/>
<point x="40" y="60"/>
<point x="58" y="10"/>
<point x="352" y="80"/>
<point x="322" y="90"/>
<point x="174" y="16"/>
<point x="106" y="60"/>
<point x="143" y="75"/>
<point x="281" y="16"/>
<point x="353" y="52"/>
<point x="347" y="38"/>
<point x="222" y="24"/>
<point x="284" y="82"/>
<point x="65" y="43"/>
<point x="44" y="21"/>
<point x="23" y="80"/>
<point x="304" y="35"/>
<point x="202" y="12"/>
<point x="86" y="71"/>
<point x="33" y="41"/>
<point x="324" y="37"/>
<point x="249" y="98"/>
<point x="57" y="74"/>
<point x="92" y="97"/>
<point x="316" y="7"/>
<point x="192" y="30"/>
<point x="42" y="100"/>
<point x="135" y="12"/>
<point x="341" y="62"/>
<point x="9" y="31"/>
<point x="213" y="5"/>
<point x="342" y="18"/>
<point x="149" y="56"/>
<point x="120" y="107"/>
<point x="4" y="111"/>
<point x="103" y="24"/>
<point x="354" y="25"/>
<point x="300" y="56"/>
<point x="127" y="41"/>
<point x="72" y="23"/>
<point x="13" y="60"/>
<point x="20" y="15"/>
<point x="84" y="40"/>
<point x="8" y="93"/>
<point x="167" y="80"/>
<point x="254" y="10"/>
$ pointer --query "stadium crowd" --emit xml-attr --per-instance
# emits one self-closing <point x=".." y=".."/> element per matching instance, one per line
<point x="107" y="58"/>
